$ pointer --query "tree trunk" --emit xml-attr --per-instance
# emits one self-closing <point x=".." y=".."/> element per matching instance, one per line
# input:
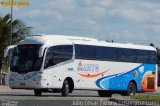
<point x="0" y="71"/>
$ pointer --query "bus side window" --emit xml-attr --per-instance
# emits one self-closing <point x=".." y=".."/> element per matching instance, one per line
<point x="153" y="57"/>
<point x="62" y="53"/>
<point x="85" y="52"/>
<point x="90" y="52"/>
<point x="106" y="53"/>
<point x="49" y="59"/>
<point x="143" y="56"/>
<point x="130" y="55"/>
<point x="120" y="54"/>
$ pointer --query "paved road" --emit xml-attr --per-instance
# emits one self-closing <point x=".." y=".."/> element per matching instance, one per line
<point x="77" y="98"/>
<point x="10" y="97"/>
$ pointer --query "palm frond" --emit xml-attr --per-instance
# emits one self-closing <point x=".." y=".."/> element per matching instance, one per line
<point x="20" y="30"/>
<point x="17" y="24"/>
<point x="7" y="18"/>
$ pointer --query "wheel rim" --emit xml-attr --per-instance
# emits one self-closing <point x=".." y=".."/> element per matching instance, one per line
<point x="67" y="88"/>
<point x="131" y="90"/>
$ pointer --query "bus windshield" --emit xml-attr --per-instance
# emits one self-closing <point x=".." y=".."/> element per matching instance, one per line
<point x="25" y="58"/>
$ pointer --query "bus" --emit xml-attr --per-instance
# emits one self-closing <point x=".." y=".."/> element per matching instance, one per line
<point x="59" y="63"/>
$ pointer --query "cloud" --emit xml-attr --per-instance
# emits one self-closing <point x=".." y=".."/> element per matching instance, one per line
<point x="132" y="15"/>
<point x="131" y="12"/>
<point x="97" y="11"/>
<point x="65" y="5"/>
<point x="157" y="28"/>
<point x="154" y="27"/>
<point x="125" y="21"/>
<point x="4" y="10"/>
<point x="47" y="14"/>
<point x="105" y="3"/>
<point x="122" y="35"/>
<point x="91" y="3"/>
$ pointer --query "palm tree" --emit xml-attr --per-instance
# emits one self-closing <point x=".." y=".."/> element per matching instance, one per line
<point x="20" y="31"/>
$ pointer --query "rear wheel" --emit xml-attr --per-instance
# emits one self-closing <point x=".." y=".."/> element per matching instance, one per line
<point x="131" y="91"/>
<point x="65" y="89"/>
<point x="102" y="93"/>
<point x="37" y="92"/>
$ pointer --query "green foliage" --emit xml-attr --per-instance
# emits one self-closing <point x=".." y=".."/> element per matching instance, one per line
<point x="147" y="98"/>
<point x="19" y="32"/>
<point x="5" y="67"/>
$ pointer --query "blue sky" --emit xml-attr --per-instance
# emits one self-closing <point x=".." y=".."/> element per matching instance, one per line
<point x="133" y="21"/>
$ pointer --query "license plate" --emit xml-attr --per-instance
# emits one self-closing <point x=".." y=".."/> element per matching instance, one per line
<point x="22" y="84"/>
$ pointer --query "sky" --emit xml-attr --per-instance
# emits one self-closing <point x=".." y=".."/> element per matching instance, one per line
<point x="125" y="21"/>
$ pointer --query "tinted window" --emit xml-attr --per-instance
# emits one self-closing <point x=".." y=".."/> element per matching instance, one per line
<point x="153" y="57"/>
<point x="63" y="51"/>
<point x="25" y="58"/>
<point x="143" y="56"/>
<point x="130" y="55"/>
<point x="49" y="58"/>
<point x="58" y="54"/>
<point x="85" y="52"/>
<point x="114" y="54"/>
<point x="120" y="52"/>
<point x="106" y="53"/>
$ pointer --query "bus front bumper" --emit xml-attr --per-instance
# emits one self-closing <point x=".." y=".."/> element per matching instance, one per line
<point x="27" y="85"/>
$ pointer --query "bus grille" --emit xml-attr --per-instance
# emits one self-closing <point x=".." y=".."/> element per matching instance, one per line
<point x="150" y="83"/>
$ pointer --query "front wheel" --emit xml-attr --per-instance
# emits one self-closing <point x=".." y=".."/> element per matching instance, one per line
<point x="37" y="92"/>
<point x="65" y="89"/>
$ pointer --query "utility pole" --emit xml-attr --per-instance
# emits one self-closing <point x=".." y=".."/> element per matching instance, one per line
<point x="10" y="40"/>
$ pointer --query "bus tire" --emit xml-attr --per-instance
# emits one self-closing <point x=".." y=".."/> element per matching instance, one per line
<point x="131" y="90"/>
<point x="102" y="93"/>
<point x="65" y="88"/>
<point x="37" y="92"/>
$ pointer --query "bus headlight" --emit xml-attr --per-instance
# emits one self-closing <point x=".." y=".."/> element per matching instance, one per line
<point x="38" y="78"/>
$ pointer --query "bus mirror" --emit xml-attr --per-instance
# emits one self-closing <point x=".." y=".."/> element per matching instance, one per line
<point x="7" y="49"/>
<point x="41" y="50"/>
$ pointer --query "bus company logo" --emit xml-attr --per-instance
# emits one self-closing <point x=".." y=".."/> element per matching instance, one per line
<point x="15" y="3"/>
<point x="90" y="68"/>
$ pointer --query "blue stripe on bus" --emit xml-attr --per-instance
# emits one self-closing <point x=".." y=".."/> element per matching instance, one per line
<point x="120" y="81"/>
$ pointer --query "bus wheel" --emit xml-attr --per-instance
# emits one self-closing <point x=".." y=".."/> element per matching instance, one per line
<point x="131" y="91"/>
<point x="102" y="93"/>
<point x="65" y="88"/>
<point x="37" y="92"/>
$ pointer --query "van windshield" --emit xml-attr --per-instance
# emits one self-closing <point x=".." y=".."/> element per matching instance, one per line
<point x="25" y="58"/>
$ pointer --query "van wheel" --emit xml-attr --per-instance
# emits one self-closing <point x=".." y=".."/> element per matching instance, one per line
<point x="102" y="93"/>
<point x="131" y="91"/>
<point x="65" y="89"/>
<point x="37" y="92"/>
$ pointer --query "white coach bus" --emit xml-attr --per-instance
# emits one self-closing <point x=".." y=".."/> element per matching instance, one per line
<point x="56" y="63"/>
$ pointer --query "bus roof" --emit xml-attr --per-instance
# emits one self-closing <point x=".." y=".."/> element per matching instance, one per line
<point x="62" y="39"/>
